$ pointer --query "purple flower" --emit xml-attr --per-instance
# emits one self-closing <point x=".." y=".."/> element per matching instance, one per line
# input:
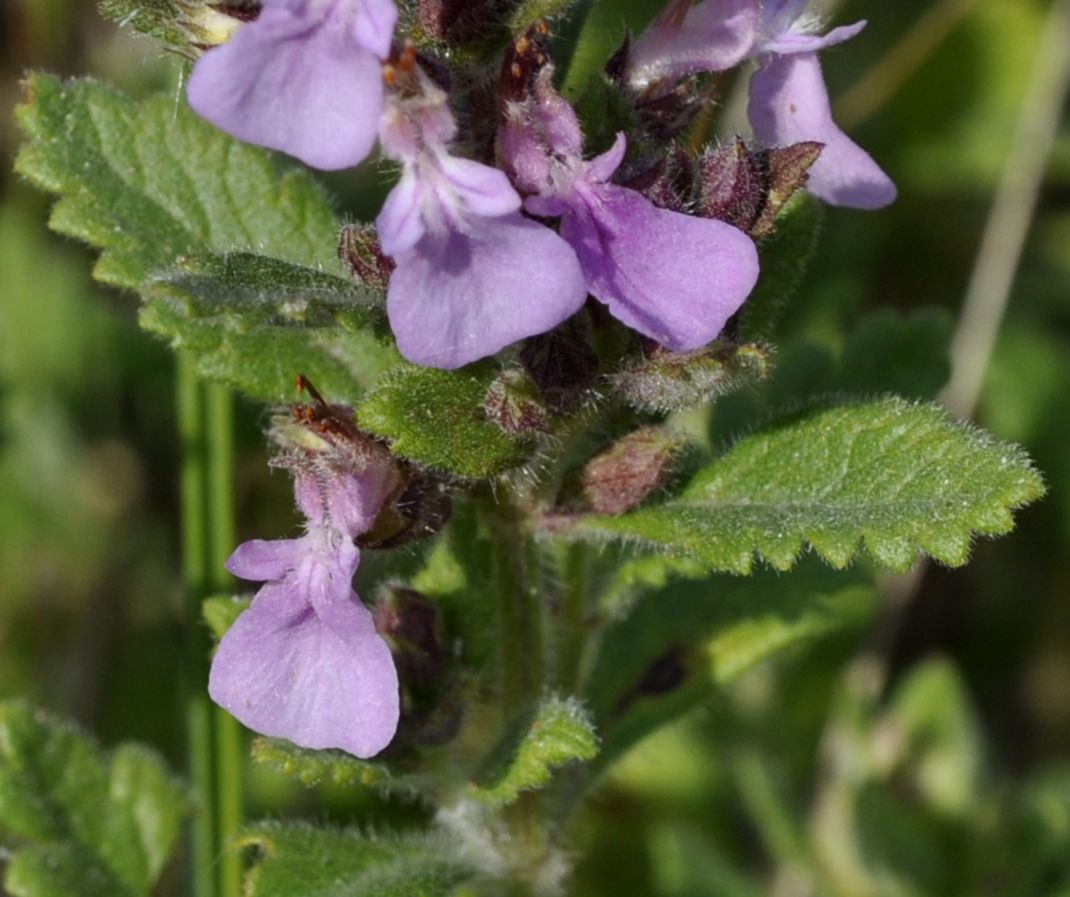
<point x="304" y="77"/>
<point x="473" y="275"/>
<point x="789" y="102"/>
<point x="684" y="39"/>
<point x="304" y="662"/>
<point x="675" y="278"/>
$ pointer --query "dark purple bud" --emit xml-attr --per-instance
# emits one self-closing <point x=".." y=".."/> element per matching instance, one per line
<point x="524" y="59"/>
<point x="562" y="365"/>
<point x="748" y="188"/>
<point x="733" y="185"/>
<point x="362" y="256"/>
<point x="672" y="381"/>
<point x="514" y="404"/>
<point x="788" y="171"/>
<point x="670" y="182"/>
<point x="419" y="508"/>
<point x="628" y="471"/>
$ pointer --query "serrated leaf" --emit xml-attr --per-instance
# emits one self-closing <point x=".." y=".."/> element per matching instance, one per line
<point x="437" y="418"/>
<point x="784" y="257"/>
<point x="896" y="477"/>
<point x="94" y="824"/>
<point x="312" y="768"/>
<point x="691" y="635"/>
<point x="552" y="734"/>
<point x="153" y="186"/>
<point x="303" y="861"/>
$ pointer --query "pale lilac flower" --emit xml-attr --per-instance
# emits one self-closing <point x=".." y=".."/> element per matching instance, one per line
<point x="684" y="39"/>
<point x="304" y="77"/>
<point x="304" y="662"/>
<point x="473" y="275"/>
<point x="789" y="103"/>
<point x="673" y="277"/>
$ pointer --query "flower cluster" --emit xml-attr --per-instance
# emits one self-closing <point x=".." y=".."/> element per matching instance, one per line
<point x="324" y="79"/>
<point x="305" y="662"/>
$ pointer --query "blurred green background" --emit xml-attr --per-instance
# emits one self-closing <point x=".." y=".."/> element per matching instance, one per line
<point x="923" y="754"/>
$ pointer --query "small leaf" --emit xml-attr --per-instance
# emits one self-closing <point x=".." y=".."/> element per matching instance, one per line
<point x="897" y="477"/>
<point x="304" y="861"/>
<point x="549" y="736"/>
<point x="437" y="418"/>
<point x="95" y="825"/>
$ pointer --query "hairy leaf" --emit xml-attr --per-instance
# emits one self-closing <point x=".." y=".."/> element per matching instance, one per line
<point x="549" y="736"/>
<point x="89" y="823"/>
<point x="896" y="477"/>
<point x="437" y="418"/>
<point x="303" y="861"/>
<point x="204" y="226"/>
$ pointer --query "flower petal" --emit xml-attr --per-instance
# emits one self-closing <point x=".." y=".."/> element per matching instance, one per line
<point x="292" y="82"/>
<point x="373" y="25"/>
<point x="458" y="297"/>
<point x="715" y="35"/>
<point x="320" y="680"/>
<point x="483" y="190"/>
<point x="400" y="224"/>
<point x="261" y="560"/>
<point x="675" y="278"/>
<point x="601" y="168"/>
<point x="789" y="104"/>
<point x="789" y="42"/>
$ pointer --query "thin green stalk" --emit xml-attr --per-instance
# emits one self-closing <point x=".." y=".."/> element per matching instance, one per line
<point x="571" y="623"/>
<point x="229" y="753"/>
<point x="198" y="711"/>
<point x="518" y="586"/>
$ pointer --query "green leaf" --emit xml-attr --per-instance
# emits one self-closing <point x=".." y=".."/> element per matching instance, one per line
<point x="93" y="824"/>
<point x="303" y="861"/>
<point x="538" y="742"/>
<point x="896" y="477"/>
<point x="689" y="636"/>
<point x="154" y="187"/>
<point x="437" y="418"/>
<point x="784" y="256"/>
<point x="312" y="768"/>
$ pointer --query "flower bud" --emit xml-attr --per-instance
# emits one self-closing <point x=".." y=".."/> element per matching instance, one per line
<point x="208" y="25"/>
<point x="628" y="471"/>
<point x="672" y="381"/>
<point x="362" y="256"/>
<point x="748" y="188"/>
<point x="513" y="403"/>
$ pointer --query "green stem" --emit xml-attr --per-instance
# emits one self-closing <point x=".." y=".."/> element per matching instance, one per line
<point x="198" y="711"/>
<point x="571" y="623"/>
<point x="229" y="753"/>
<point x="517" y="582"/>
